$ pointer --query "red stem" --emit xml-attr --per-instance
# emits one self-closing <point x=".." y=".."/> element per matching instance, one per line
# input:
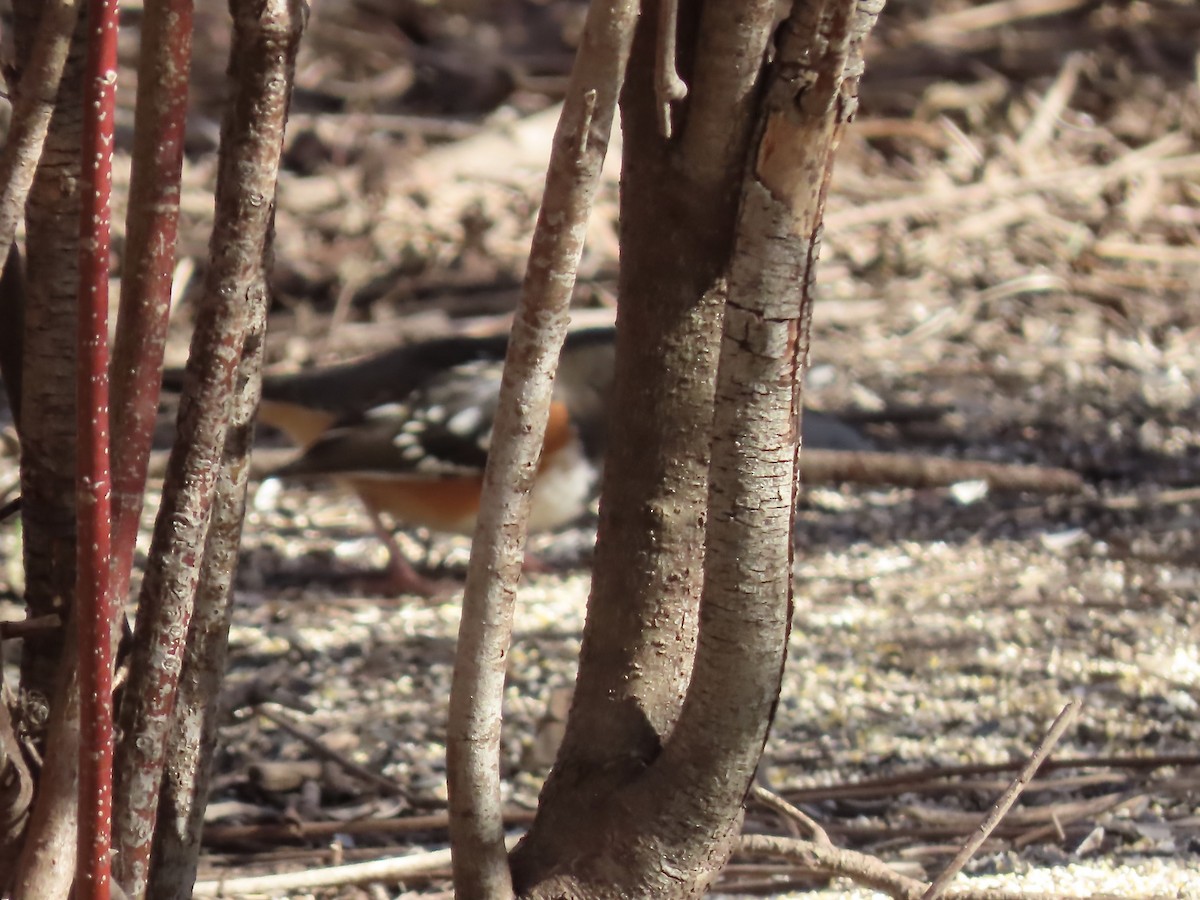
<point x="94" y="611"/>
<point x="150" y="242"/>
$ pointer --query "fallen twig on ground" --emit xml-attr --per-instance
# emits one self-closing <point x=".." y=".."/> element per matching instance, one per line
<point x="1064" y="721"/>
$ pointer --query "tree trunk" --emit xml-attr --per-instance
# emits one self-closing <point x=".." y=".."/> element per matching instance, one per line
<point x="646" y="797"/>
<point x="678" y="199"/>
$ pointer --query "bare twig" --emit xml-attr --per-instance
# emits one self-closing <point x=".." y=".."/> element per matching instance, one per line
<point x="374" y="778"/>
<point x="1041" y="127"/>
<point x="265" y="38"/>
<point x="25" y="627"/>
<point x="473" y="731"/>
<point x="33" y="104"/>
<point x="794" y="813"/>
<point x="94" y="611"/>
<point x="1072" y="810"/>
<point x="860" y="867"/>
<point x="905" y="470"/>
<point x="946" y="28"/>
<point x="151" y="227"/>
<point x="893" y="784"/>
<point x="1086" y="810"/>
<point x="408" y="825"/>
<point x="1143" y="500"/>
<point x="1006" y="800"/>
<point x="668" y="86"/>
<point x="387" y="871"/>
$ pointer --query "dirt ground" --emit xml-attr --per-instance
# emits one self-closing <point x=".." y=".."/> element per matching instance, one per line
<point x="1011" y="240"/>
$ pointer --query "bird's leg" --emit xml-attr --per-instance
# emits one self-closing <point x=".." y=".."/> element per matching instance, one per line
<point x="400" y="576"/>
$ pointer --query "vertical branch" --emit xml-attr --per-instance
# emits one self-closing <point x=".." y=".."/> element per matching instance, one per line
<point x="150" y="239"/>
<point x="93" y="610"/>
<point x="33" y="106"/>
<point x="678" y="199"/>
<point x="40" y="169"/>
<point x="746" y="606"/>
<point x="46" y="866"/>
<point x="473" y="732"/>
<point x="48" y="354"/>
<point x="189" y="758"/>
<point x="266" y="35"/>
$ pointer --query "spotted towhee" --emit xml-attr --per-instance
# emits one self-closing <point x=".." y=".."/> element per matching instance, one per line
<point x="408" y="431"/>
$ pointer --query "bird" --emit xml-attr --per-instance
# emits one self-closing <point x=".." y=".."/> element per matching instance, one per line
<point x="408" y="431"/>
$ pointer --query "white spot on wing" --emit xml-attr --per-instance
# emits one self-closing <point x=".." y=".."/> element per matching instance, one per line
<point x="466" y="421"/>
<point x="388" y="410"/>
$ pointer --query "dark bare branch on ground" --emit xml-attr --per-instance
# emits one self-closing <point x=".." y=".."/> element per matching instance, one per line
<point x="1064" y="721"/>
<point x="909" y="470"/>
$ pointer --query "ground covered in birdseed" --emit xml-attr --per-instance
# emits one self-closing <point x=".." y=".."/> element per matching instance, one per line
<point x="1009" y="274"/>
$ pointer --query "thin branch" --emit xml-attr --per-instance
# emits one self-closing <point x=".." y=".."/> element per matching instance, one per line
<point x="861" y="868"/>
<point x="1064" y="721"/>
<point x="318" y="831"/>
<point x="669" y="88"/>
<point x="188" y="761"/>
<point x="386" y="785"/>
<point x="981" y="17"/>
<point x="264" y="46"/>
<point x="150" y="237"/>
<point x="540" y="324"/>
<point x="909" y="470"/>
<point x="32" y="108"/>
<point x="385" y="871"/>
<point x="890" y="785"/>
<point x="1050" y="110"/>
<point x="777" y="804"/>
<point x="94" y="612"/>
